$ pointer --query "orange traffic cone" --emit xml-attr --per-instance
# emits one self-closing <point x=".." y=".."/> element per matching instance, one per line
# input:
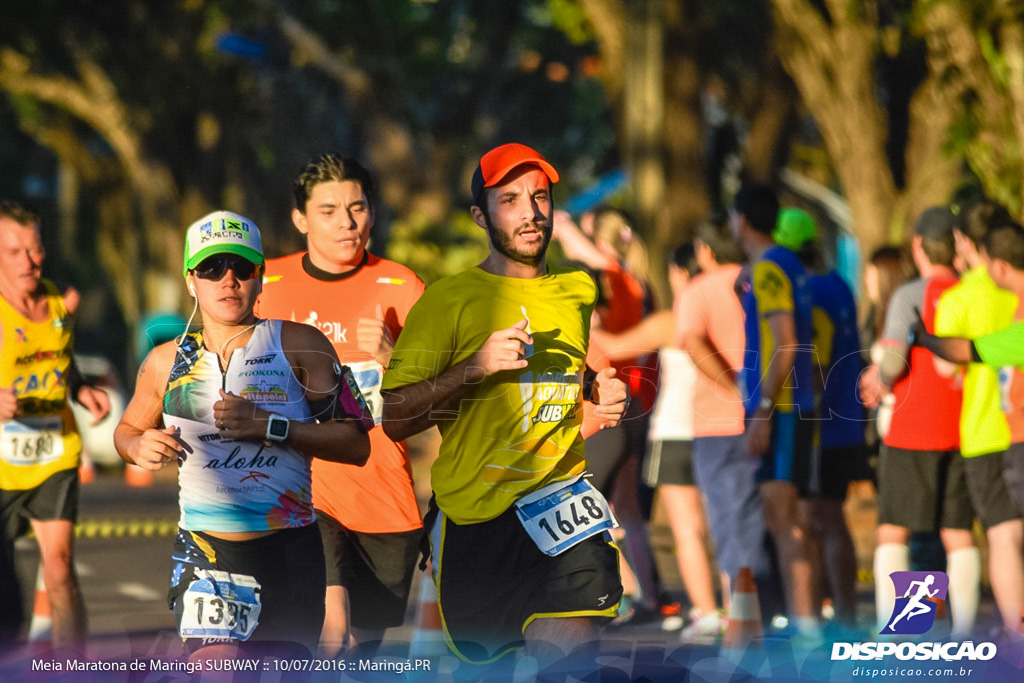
<point x="428" y="633"/>
<point x="942" y="627"/>
<point x="744" y="613"/>
<point x="137" y="476"/>
<point x="86" y="470"/>
<point x="40" y="631"/>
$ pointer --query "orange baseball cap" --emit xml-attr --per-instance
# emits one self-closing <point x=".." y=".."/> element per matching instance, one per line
<point x="500" y="161"/>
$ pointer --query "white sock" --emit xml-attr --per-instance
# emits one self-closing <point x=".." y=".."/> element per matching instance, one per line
<point x="964" y="569"/>
<point x="889" y="558"/>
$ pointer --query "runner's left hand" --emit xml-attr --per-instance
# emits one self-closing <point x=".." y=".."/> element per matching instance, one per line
<point x="759" y="433"/>
<point x="239" y="418"/>
<point x="96" y="401"/>
<point x="612" y="398"/>
<point x="374" y="338"/>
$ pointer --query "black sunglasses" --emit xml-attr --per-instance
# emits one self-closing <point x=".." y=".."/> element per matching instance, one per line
<point x="214" y="267"/>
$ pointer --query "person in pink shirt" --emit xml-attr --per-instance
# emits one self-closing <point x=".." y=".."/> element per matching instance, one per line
<point x="710" y="324"/>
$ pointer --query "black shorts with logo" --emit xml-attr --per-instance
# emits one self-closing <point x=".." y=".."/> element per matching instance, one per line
<point x="494" y="581"/>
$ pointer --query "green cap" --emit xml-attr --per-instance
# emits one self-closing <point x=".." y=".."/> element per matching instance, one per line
<point x="222" y="232"/>
<point x="793" y="228"/>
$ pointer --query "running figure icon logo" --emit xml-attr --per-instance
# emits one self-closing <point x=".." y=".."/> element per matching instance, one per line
<point x="914" y="612"/>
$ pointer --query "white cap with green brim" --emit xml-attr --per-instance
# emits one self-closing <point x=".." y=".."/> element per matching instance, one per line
<point x="222" y="232"/>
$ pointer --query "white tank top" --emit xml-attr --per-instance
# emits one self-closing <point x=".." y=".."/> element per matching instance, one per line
<point x="229" y="485"/>
<point x="673" y="410"/>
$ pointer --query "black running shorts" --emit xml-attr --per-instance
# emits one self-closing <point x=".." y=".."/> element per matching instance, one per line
<point x="55" y="498"/>
<point x="986" y="485"/>
<point x="376" y="569"/>
<point x="669" y="461"/>
<point x="923" y="490"/>
<point x="288" y="565"/>
<point x="493" y="582"/>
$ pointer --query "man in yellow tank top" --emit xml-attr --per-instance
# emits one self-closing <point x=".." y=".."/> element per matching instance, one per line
<point x="39" y="443"/>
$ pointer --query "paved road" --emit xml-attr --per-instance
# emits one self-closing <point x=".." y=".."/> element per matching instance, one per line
<point x="123" y="553"/>
<point x="123" y="547"/>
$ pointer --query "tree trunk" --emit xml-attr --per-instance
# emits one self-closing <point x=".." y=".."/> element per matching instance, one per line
<point x="832" y="66"/>
<point x="772" y="114"/>
<point x="643" y="114"/>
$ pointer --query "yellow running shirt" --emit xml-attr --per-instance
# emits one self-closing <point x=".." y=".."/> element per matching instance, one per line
<point x="34" y="360"/>
<point x="519" y="430"/>
<point x="973" y="308"/>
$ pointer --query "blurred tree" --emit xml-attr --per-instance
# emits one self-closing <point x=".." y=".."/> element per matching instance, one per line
<point x="906" y="91"/>
<point x="977" y="49"/>
<point x="158" y="112"/>
<point x="903" y="92"/>
<point x="430" y="86"/>
<point x="832" y="49"/>
<point x="720" y="82"/>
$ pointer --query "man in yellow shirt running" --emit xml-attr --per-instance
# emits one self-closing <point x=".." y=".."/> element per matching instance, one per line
<point x="495" y="357"/>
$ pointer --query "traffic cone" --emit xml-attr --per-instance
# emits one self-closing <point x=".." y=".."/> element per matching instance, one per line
<point x="137" y="476"/>
<point x="40" y="631"/>
<point x="428" y="633"/>
<point x="942" y="627"/>
<point x="86" y="470"/>
<point x="744" y="613"/>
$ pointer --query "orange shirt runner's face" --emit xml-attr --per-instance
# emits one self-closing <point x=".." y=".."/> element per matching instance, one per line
<point x="337" y="223"/>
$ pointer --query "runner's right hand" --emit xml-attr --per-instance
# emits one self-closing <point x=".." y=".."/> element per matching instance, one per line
<point x="157" y="447"/>
<point x="869" y="386"/>
<point x="504" y="350"/>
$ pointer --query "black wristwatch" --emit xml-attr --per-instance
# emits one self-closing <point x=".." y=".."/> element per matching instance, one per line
<point x="277" y="427"/>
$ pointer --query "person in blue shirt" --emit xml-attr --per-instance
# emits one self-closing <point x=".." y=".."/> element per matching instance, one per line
<point x="778" y="390"/>
<point x="841" y="453"/>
